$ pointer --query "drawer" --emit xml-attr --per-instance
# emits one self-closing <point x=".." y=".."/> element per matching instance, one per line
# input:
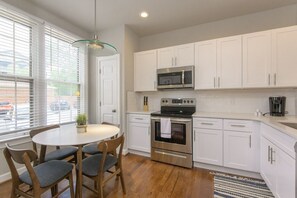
<point x="208" y="123"/>
<point x="238" y="125"/>
<point x="139" y="118"/>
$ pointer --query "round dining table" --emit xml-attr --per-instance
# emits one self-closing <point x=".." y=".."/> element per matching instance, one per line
<point x="67" y="135"/>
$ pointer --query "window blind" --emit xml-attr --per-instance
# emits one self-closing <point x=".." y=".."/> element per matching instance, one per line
<point x="16" y="72"/>
<point x="64" y="76"/>
<point x="42" y="77"/>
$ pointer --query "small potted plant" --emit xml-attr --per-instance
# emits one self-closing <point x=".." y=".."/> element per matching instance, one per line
<point x="81" y="123"/>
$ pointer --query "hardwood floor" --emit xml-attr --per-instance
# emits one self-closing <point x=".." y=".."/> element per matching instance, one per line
<point x="146" y="178"/>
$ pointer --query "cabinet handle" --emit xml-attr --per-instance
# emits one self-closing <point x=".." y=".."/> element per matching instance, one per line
<point x="250" y="141"/>
<point x="268" y="153"/>
<point x="219" y="82"/>
<point x="172" y="61"/>
<point x="175" y="61"/>
<point x="214" y="82"/>
<point x="271" y="157"/>
<point x="268" y="79"/>
<point x="194" y="136"/>
<point x="206" y="123"/>
<point x="138" y="118"/>
<point x="274" y="78"/>
<point x="237" y="125"/>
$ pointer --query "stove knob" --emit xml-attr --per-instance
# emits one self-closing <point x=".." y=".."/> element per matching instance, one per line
<point x="188" y="101"/>
<point x="184" y="101"/>
<point x="166" y="101"/>
<point x="191" y="101"/>
<point x="163" y="101"/>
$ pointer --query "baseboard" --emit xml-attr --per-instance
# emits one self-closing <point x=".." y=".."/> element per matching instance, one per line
<point x="125" y="151"/>
<point x="7" y="176"/>
<point x="228" y="170"/>
<point x="145" y="154"/>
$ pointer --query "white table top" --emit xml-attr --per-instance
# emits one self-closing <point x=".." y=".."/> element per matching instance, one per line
<point x="67" y="135"/>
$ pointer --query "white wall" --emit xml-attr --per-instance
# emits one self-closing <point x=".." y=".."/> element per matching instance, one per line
<point x="280" y="17"/>
<point x="32" y="9"/>
<point x="235" y="101"/>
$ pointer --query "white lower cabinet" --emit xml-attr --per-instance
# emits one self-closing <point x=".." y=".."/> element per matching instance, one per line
<point x="228" y="143"/>
<point x="208" y="146"/>
<point x="277" y="166"/>
<point x="240" y="145"/>
<point x="207" y="143"/>
<point x="139" y="133"/>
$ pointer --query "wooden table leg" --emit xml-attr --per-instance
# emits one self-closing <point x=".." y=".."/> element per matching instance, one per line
<point x="78" y="192"/>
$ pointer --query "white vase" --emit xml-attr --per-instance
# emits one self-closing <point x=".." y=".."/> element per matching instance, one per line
<point x="81" y="128"/>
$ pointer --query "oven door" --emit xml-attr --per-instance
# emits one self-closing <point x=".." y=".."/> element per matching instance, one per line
<point x="181" y="135"/>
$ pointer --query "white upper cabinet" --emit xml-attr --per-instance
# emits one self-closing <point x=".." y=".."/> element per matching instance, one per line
<point x="145" y="65"/>
<point x="177" y="56"/>
<point x="205" y="64"/>
<point x="229" y="62"/>
<point x="284" y="56"/>
<point x="257" y="59"/>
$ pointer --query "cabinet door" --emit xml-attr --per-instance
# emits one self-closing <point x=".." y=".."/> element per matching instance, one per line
<point x="166" y="57"/>
<point x="184" y="55"/>
<point x="208" y="146"/>
<point x="285" y="179"/>
<point x="267" y="169"/>
<point x="229" y="62"/>
<point x="205" y="64"/>
<point x="145" y="65"/>
<point x="139" y="137"/>
<point x="257" y="59"/>
<point x="238" y="152"/>
<point x="284" y="58"/>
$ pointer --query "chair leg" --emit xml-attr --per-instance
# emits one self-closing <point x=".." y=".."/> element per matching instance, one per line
<point x="71" y="185"/>
<point x="13" y="194"/>
<point x="122" y="181"/>
<point x="100" y="189"/>
<point x="54" y="190"/>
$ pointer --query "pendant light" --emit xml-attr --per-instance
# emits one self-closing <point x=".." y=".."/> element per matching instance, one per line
<point x="95" y="46"/>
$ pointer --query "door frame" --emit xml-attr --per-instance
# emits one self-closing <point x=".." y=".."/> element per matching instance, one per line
<point x="98" y="86"/>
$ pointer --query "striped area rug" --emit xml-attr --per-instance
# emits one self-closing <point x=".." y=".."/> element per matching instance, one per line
<point x="231" y="186"/>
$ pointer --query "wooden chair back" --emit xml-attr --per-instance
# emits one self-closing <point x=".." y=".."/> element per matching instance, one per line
<point x="20" y="156"/>
<point x="36" y="131"/>
<point x="110" y="147"/>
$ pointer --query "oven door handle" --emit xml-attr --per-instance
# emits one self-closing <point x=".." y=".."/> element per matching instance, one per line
<point x="175" y="119"/>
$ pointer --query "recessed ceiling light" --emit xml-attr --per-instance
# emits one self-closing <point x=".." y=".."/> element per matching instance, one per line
<point x="144" y="14"/>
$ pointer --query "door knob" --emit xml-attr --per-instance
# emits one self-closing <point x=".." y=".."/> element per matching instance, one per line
<point x="114" y="110"/>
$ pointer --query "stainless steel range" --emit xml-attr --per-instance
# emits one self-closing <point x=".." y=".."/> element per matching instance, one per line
<point x="171" y="135"/>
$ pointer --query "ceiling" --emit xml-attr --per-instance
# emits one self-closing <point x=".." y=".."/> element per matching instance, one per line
<point x="164" y="15"/>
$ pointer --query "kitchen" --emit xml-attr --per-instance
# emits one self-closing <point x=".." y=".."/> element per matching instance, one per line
<point x="236" y="102"/>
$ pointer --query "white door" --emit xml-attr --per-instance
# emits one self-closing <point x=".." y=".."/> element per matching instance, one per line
<point x="184" y="55"/>
<point x="284" y="56"/>
<point x="165" y="57"/>
<point x="207" y="146"/>
<point x="257" y="59"/>
<point x="229" y="62"/>
<point x="145" y="66"/>
<point x="109" y="89"/>
<point x="205" y="64"/>
<point x="139" y="138"/>
<point x="238" y="152"/>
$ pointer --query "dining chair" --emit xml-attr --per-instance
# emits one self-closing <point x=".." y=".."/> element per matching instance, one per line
<point x="39" y="178"/>
<point x="92" y="149"/>
<point x="96" y="165"/>
<point x="58" y="154"/>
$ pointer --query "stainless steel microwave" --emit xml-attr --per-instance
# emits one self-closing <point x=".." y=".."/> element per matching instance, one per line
<point x="175" y="77"/>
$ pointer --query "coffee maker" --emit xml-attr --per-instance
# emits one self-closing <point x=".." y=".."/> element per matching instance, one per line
<point x="277" y="105"/>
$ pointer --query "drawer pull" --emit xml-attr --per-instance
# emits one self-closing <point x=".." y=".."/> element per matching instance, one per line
<point x="138" y="118"/>
<point x="237" y="125"/>
<point x="206" y="123"/>
<point x="269" y="154"/>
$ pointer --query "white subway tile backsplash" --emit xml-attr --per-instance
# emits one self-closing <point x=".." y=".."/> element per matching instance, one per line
<point x="235" y="101"/>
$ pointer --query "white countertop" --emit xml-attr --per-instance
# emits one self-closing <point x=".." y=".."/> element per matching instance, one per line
<point x="140" y="112"/>
<point x="269" y="120"/>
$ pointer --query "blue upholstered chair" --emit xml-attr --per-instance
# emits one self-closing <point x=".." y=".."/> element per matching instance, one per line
<point x="39" y="178"/>
<point x="92" y="149"/>
<point x="96" y="165"/>
<point x="58" y="154"/>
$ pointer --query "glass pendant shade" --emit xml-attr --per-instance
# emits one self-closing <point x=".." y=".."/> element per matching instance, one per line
<point x="95" y="46"/>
